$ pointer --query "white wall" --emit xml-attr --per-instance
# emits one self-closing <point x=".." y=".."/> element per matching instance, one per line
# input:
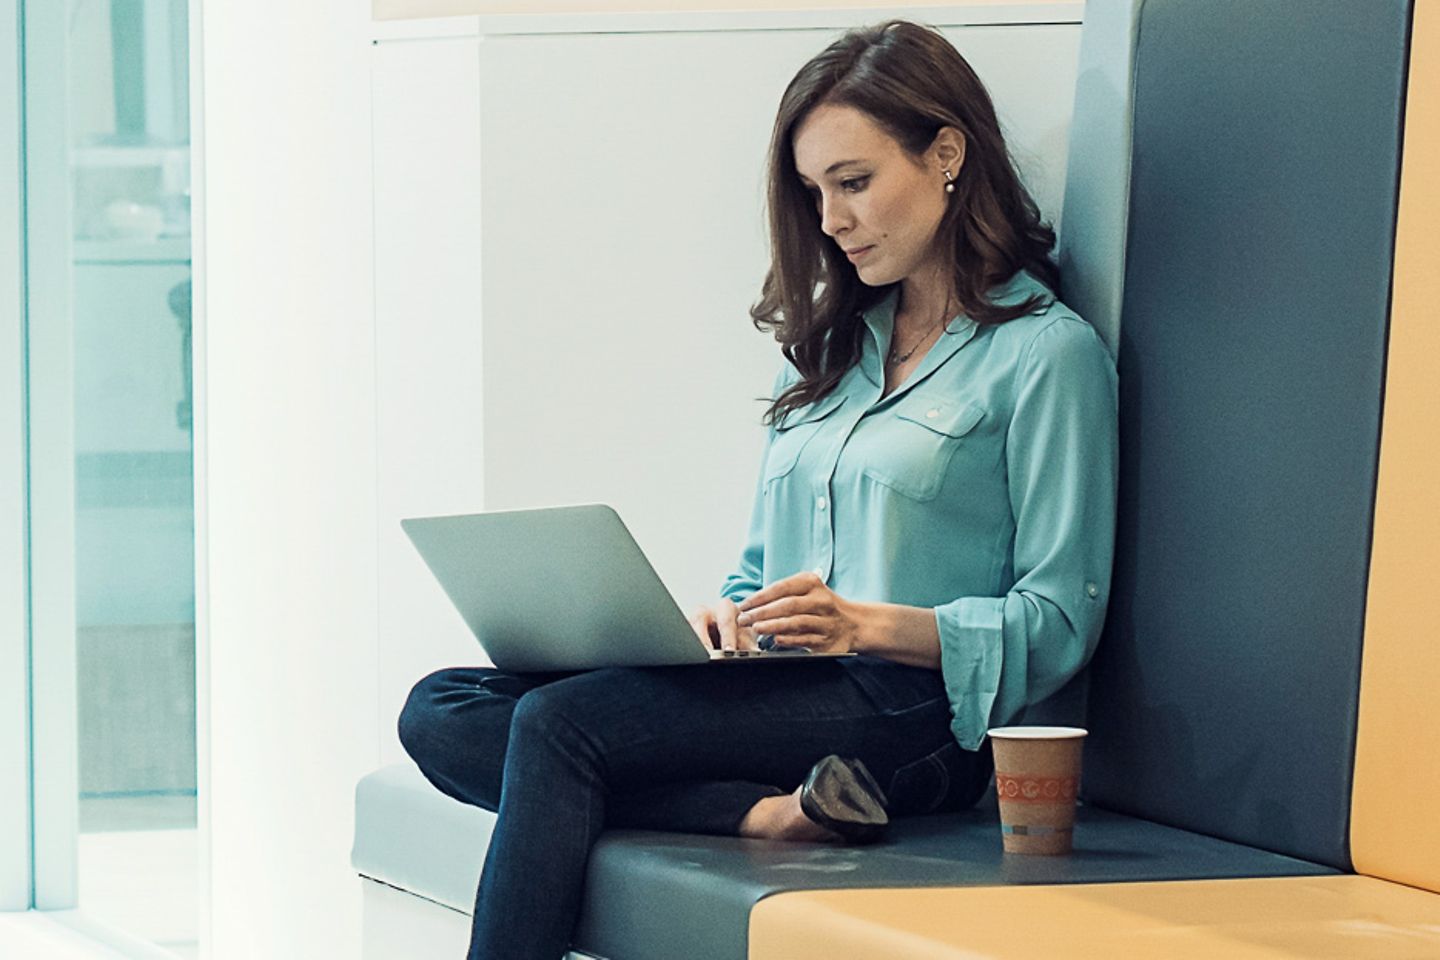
<point x="285" y="434"/>
<point x="429" y="421"/>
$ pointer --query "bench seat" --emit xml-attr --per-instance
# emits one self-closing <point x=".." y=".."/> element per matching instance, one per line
<point x="1320" y="918"/>
<point x="660" y="895"/>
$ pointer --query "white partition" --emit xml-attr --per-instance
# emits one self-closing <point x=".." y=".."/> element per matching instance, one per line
<point x="619" y="179"/>
<point x="285" y="471"/>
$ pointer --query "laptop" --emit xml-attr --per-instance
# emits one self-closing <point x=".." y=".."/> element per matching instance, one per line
<point x="565" y="588"/>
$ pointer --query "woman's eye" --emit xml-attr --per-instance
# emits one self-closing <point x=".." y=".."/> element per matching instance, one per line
<point x="855" y="184"/>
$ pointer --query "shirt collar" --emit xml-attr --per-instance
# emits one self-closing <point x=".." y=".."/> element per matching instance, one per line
<point x="880" y="319"/>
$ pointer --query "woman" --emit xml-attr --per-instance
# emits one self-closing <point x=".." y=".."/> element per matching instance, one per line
<point x="937" y="497"/>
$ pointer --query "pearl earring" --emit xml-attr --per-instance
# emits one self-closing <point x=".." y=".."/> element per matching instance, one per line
<point x="949" y="183"/>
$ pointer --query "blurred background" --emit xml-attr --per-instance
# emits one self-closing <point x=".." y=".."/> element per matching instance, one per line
<point x="127" y="76"/>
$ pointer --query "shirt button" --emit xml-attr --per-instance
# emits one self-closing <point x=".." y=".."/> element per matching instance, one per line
<point x="932" y="413"/>
<point x="1091" y="589"/>
<point x="821" y="503"/>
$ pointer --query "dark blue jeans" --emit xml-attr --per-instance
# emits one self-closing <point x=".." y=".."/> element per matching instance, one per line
<point x="560" y="757"/>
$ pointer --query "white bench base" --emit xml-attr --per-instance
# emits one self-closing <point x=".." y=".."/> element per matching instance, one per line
<point x="401" y="926"/>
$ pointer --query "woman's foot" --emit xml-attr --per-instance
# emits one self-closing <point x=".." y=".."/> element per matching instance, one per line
<point x="839" y="800"/>
<point x="780" y="818"/>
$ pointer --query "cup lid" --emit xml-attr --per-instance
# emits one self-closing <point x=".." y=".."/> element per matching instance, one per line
<point x="1037" y="733"/>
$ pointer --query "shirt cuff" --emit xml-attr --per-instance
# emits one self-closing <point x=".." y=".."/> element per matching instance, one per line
<point x="972" y="650"/>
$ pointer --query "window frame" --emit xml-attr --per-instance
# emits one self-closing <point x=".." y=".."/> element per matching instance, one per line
<point x="15" y="852"/>
<point x="40" y="593"/>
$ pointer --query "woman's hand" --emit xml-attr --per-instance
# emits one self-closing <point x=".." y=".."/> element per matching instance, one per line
<point x="716" y="626"/>
<point x="800" y="611"/>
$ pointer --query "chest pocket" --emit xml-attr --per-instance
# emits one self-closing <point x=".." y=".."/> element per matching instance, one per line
<point x="794" y="432"/>
<point x="921" y="437"/>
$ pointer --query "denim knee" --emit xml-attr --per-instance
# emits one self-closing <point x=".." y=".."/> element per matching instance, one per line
<point x="546" y="716"/>
<point x="420" y="718"/>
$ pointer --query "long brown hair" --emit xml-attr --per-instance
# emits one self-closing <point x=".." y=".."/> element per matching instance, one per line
<point x="911" y="82"/>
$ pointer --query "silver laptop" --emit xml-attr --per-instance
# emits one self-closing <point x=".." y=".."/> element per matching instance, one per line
<point x="564" y="588"/>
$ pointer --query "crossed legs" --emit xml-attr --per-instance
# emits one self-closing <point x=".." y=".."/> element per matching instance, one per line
<point x="560" y="757"/>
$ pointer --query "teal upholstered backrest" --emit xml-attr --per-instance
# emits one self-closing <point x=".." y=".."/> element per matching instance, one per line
<point x="1258" y="225"/>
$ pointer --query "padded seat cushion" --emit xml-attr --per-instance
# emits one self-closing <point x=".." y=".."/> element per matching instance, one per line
<point x="412" y="836"/>
<point x="656" y="896"/>
<point x="1321" y="918"/>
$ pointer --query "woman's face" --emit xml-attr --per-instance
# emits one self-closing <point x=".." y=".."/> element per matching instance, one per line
<point x="879" y="204"/>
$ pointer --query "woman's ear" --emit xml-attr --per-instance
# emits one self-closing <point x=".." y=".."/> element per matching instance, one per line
<point x="948" y="150"/>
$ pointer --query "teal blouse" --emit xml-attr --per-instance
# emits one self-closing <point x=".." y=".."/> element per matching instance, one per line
<point x="983" y="487"/>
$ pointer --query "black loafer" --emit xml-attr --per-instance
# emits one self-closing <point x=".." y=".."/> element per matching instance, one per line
<point x="844" y="798"/>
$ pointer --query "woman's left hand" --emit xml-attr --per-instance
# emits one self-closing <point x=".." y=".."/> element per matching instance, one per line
<point x="801" y="611"/>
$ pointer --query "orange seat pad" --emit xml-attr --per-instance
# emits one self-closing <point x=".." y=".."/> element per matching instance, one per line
<point x="1342" y="917"/>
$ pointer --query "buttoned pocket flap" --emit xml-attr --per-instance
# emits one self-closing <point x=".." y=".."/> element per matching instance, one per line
<point x="948" y="417"/>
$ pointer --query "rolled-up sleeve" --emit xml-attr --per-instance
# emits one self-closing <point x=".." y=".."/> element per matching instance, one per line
<point x="1001" y="654"/>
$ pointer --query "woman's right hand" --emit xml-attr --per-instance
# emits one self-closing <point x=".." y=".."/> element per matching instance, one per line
<point x="716" y="626"/>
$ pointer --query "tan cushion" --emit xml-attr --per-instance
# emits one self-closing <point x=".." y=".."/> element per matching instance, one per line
<point x="1340" y="917"/>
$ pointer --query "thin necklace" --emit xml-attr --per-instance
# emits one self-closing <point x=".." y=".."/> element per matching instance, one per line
<point x="901" y="358"/>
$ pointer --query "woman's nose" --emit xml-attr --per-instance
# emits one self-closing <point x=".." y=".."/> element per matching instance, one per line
<point x="834" y="217"/>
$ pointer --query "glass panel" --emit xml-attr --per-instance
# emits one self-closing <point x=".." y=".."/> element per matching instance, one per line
<point x="127" y="117"/>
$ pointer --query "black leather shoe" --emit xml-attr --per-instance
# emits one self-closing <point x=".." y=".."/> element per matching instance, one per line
<point x="844" y="798"/>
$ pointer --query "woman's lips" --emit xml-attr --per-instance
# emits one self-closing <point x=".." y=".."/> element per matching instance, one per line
<point x="857" y="254"/>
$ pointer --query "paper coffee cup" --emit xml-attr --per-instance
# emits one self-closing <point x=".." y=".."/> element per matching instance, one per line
<point x="1037" y="775"/>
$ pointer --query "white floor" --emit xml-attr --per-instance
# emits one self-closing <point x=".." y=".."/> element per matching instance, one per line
<point x="145" y="883"/>
<point x="64" y="935"/>
<point x="139" y="897"/>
